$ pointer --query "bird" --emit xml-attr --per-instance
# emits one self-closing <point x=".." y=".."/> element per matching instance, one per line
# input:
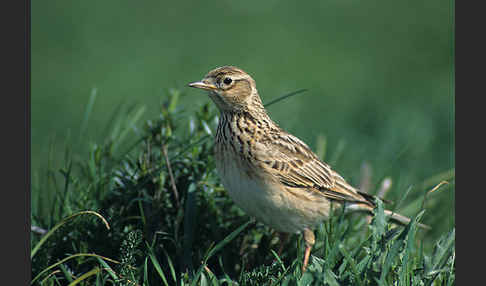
<point x="269" y="173"/>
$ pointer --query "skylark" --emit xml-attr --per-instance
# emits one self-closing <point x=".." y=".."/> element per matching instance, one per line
<point x="269" y="173"/>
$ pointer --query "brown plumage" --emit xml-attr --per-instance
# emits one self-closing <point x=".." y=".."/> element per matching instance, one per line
<point x="269" y="173"/>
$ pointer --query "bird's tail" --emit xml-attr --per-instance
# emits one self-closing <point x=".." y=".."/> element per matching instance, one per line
<point x="393" y="216"/>
<point x="361" y="201"/>
<point x="403" y="220"/>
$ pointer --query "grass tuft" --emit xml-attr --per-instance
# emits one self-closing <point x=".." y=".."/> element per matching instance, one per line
<point x="166" y="219"/>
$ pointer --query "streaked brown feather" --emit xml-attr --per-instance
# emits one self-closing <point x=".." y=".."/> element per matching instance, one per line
<point x="296" y="166"/>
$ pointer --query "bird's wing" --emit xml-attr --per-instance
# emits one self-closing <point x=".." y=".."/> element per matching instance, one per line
<point x="292" y="163"/>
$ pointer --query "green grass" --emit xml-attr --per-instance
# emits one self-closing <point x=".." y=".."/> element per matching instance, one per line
<point x="145" y="207"/>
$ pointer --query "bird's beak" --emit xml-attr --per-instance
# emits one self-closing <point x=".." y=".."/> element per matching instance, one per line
<point x="203" y="85"/>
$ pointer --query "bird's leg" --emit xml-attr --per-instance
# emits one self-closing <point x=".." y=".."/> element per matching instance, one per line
<point x="283" y="237"/>
<point x="310" y="239"/>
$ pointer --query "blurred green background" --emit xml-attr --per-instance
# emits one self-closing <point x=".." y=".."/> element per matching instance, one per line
<point x="379" y="74"/>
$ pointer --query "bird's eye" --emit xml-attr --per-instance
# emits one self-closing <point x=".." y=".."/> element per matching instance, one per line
<point x="227" y="80"/>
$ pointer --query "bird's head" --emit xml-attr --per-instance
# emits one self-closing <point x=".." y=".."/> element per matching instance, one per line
<point x="232" y="89"/>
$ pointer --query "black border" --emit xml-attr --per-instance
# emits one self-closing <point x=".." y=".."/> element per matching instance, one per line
<point x="469" y="64"/>
<point x="27" y="63"/>
<point x="15" y="138"/>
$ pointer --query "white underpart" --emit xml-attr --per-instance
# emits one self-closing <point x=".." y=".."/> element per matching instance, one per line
<point x="274" y="207"/>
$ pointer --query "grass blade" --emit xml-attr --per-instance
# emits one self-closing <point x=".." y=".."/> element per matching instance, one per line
<point x="284" y="97"/>
<point x="64" y="221"/>
<point x="68" y="258"/>
<point x="352" y="263"/>
<point x="87" y="113"/>
<point x="156" y="264"/>
<point x="85" y="276"/>
<point x="218" y="247"/>
<point x="225" y="241"/>
<point x="108" y="268"/>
